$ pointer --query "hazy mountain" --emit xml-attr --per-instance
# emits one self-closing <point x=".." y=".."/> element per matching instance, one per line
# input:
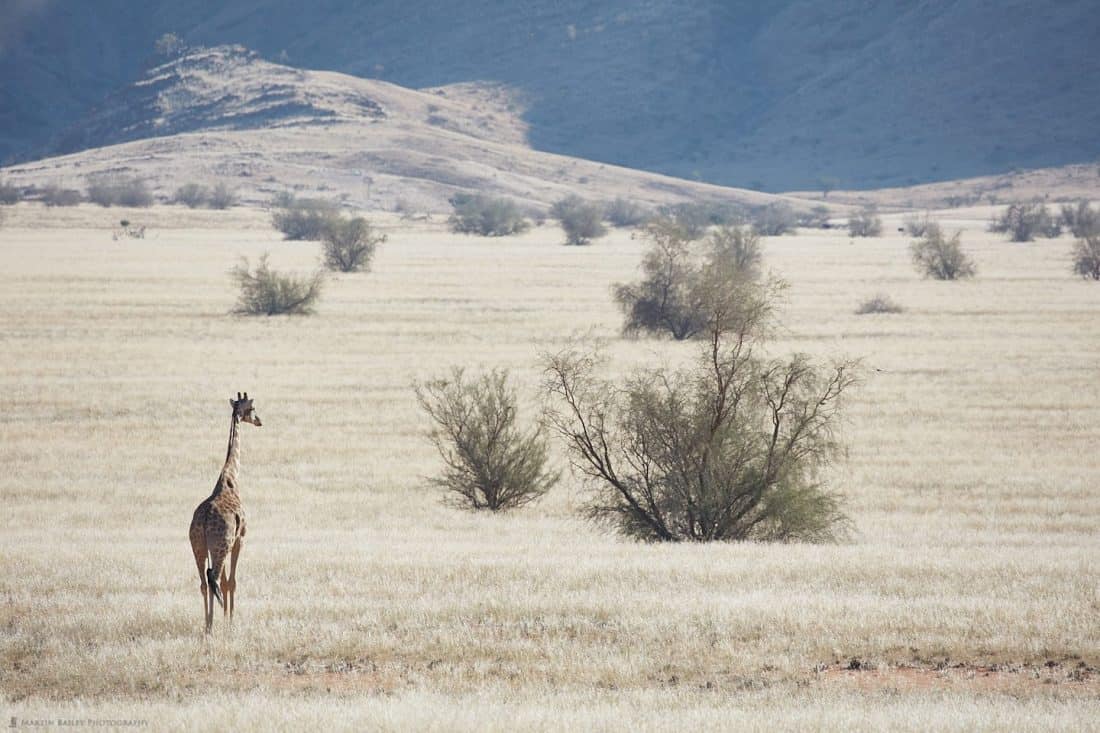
<point x="777" y="95"/>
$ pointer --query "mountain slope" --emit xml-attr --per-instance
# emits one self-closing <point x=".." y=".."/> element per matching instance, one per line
<point x="225" y="114"/>
<point x="776" y="95"/>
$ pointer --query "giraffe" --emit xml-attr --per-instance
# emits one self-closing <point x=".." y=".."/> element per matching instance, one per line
<point x="217" y="527"/>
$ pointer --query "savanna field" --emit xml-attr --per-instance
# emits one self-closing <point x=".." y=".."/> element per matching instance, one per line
<point x="966" y="598"/>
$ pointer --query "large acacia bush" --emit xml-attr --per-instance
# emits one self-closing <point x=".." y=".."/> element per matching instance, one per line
<point x="731" y="448"/>
<point x="268" y="292"/>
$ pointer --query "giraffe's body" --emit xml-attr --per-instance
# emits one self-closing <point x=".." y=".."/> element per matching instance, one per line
<point x="218" y="526"/>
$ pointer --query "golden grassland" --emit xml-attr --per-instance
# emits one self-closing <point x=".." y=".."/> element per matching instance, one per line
<point x="968" y="596"/>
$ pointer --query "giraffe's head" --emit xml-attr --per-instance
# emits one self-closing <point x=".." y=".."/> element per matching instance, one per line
<point x="243" y="410"/>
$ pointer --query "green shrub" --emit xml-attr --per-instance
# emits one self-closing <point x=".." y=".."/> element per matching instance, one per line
<point x="936" y="256"/>
<point x="1086" y="256"/>
<point x="9" y="193"/>
<point x="486" y="216"/>
<point x="1024" y="222"/>
<point x="685" y="284"/>
<point x="303" y="219"/>
<point x="349" y="244"/>
<point x="878" y="304"/>
<point x="730" y="449"/>
<point x="490" y="463"/>
<point x="774" y="219"/>
<point x="1081" y="219"/>
<point x="865" y="224"/>
<point x="582" y="221"/>
<point x="266" y="292"/>
<point x="623" y="213"/>
<point x="119" y="191"/>
<point x="55" y="195"/>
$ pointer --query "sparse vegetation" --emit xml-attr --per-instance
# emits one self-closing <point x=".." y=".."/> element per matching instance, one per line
<point x="695" y="218"/>
<point x="1081" y="219"/>
<point x="119" y="191"/>
<point x="169" y="45"/>
<point x="55" y="195"/>
<point x="222" y="197"/>
<point x="192" y="195"/>
<point x="729" y="450"/>
<point x="302" y="219"/>
<point x="816" y="218"/>
<point x="1024" y="222"/>
<point x="349" y="244"/>
<point x="490" y="463"/>
<point x="879" y="304"/>
<point x="128" y="230"/>
<point x="919" y="226"/>
<point x="865" y="224"/>
<point x="9" y="193"/>
<point x="581" y="220"/>
<point x="936" y="256"/>
<point x="266" y="292"/>
<point x="684" y="284"/>
<point x="486" y="215"/>
<point x="774" y="219"/>
<point x="1086" y="256"/>
<point x="624" y="213"/>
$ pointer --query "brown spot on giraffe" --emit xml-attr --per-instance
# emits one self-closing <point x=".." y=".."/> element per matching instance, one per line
<point x="218" y="525"/>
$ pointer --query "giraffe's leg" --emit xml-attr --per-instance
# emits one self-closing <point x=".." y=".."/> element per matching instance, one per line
<point x="232" y="585"/>
<point x="200" y="562"/>
<point x="225" y="594"/>
<point x="209" y="608"/>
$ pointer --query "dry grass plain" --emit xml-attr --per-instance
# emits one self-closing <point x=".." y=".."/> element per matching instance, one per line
<point x="969" y="594"/>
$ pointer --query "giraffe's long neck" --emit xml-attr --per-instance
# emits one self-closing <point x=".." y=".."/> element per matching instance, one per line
<point x="233" y="454"/>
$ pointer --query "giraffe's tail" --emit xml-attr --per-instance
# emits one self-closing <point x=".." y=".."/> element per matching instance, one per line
<point x="212" y="581"/>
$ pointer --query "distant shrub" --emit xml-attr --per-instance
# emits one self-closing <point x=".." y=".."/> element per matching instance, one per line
<point x="486" y="216"/>
<point x="1081" y="219"/>
<point x="169" y="45"/>
<point x="816" y="218"/>
<point x="265" y="292"/>
<point x="192" y="195"/>
<point x="918" y="226"/>
<point x="303" y="219"/>
<point x="490" y="463"/>
<point x="684" y="284"/>
<point x="3" y="214"/>
<point x="695" y="218"/>
<point x="349" y="244"/>
<point x="581" y="220"/>
<point x="865" y="224"/>
<point x="1086" y="256"/>
<point x="119" y="191"/>
<point x="624" y="213"/>
<point x="878" y="304"/>
<point x="9" y="193"/>
<point x="55" y="195"/>
<point x="222" y="197"/>
<point x="774" y="219"/>
<point x="1024" y="222"/>
<point x="941" y="258"/>
<point x="128" y="230"/>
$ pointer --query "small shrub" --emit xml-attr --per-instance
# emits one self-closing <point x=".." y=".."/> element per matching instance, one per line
<point x="487" y="216"/>
<point x="1024" y="222"/>
<point x="3" y="214"/>
<point x="1081" y="219"/>
<point x="816" y="218"/>
<point x="774" y="219"/>
<point x="303" y="219"/>
<point x="918" y="226"/>
<point x="349" y="244"/>
<point x="686" y="285"/>
<point x="222" y="197"/>
<point x="192" y="195"/>
<point x="1086" y="256"/>
<point x="624" y="213"/>
<point x="490" y="463"/>
<point x="9" y="193"/>
<point x="941" y="258"/>
<point x="119" y="191"/>
<point x="55" y="195"/>
<point x="695" y="218"/>
<point x="865" y="224"/>
<point x="581" y="220"/>
<point x="878" y="304"/>
<point x="265" y="292"/>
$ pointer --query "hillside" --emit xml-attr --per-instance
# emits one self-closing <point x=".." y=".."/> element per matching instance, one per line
<point x="775" y="96"/>
<point x="224" y="114"/>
